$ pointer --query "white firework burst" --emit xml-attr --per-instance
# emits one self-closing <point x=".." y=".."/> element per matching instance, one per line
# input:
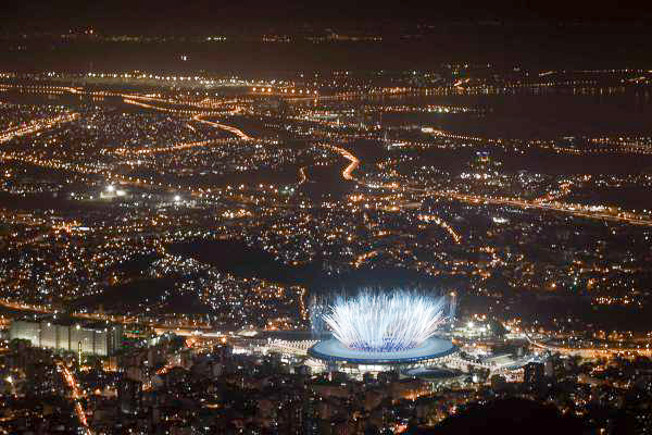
<point x="377" y="322"/>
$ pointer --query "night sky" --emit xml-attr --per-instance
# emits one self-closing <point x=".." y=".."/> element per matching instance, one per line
<point x="184" y="16"/>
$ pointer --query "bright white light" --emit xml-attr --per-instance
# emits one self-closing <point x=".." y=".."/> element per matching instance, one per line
<point x="374" y="322"/>
<point x="110" y="188"/>
<point x="177" y="198"/>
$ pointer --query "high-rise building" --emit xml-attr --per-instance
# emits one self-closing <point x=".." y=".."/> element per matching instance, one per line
<point x="130" y="395"/>
<point x="534" y="373"/>
<point x="92" y="338"/>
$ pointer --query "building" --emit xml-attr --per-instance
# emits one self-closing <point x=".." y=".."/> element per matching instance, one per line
<point x="337" y="357"/>
<point x="534" y="372"/>
<point x="90" y="338"/>
<point x="130" y="396"/>
<point x="375" y="332"/>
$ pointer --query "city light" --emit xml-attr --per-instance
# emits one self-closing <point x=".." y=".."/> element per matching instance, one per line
<point x="180" y="215"/>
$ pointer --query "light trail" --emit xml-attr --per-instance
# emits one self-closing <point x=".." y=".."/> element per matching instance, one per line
<point x="564" y="190"/>
<point x="592" y="352"/>
<point x="137" y="100"/>
<point x="303" y="175"/>
<point x="191" y="128"/>
<point x="228" y="128"/>
<point x="362" y="258"/>
<point x="127" y="180"/>
<point x="347" y="173"/>
<point x="130" y="99"/>
<point x="173" y="148"/>
<point x="36" y="126"/>
<point x="457" y="238"/>
<point x="579" y="210"/>
<point x="544" y="203"/>
<point x="76" y="396"/>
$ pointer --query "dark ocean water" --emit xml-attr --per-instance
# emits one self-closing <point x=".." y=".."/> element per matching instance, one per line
<point x="535" y="114"/>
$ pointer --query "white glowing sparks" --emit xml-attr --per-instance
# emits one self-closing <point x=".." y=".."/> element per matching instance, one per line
<point x="375" y="322"/>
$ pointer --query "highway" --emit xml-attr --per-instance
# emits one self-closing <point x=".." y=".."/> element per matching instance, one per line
<point x="354" y="162"/>
<point x="233" y="130"/>
<point x="545" y="203"/>
<point x="592" y="352"/>
<point x="177" y="147"/>
<point x="35" y="127"/>
<point x="569" y="208"/>
<point x="579" y="210"/>
<point x="303" y="175"/>
<point x="77" y="397"/>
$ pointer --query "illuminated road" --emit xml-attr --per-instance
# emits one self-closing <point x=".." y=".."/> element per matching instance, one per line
<point x="131" y="99"/>
<point x="35" y="127"/>
<point x="593" y="352"/>
<point x="363" y="258"/>
<point x="76" y="396"/>
<point x="457" y="238"/>
<point x="588" y="212"/>
<point x="173" y="148"/>
<point x="133" y="181"/>
<point x="347" y="173"/>
<point x="228" y="128"/>
<point x="565" y="189"/>
<point x="569" y="208"/>
<point x="549" y="202"/>
<point x="303" y="175"/>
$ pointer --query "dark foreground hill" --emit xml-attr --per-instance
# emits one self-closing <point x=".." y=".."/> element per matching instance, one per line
<point x="511" y="416"/>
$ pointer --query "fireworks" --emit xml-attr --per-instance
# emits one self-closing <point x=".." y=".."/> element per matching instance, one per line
<point x="375" y="322"/>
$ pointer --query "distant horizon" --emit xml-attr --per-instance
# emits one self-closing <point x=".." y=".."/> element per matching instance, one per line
<point x="547" y="47"/>
<point x="149" y="16"/>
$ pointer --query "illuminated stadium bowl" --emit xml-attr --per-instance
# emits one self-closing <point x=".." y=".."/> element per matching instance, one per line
<point x="374" y="331"/>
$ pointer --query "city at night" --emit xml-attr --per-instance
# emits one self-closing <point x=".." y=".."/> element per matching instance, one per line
<point x="325" y="218"/>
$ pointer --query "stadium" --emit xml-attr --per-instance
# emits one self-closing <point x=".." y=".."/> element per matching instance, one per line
<point x="376" y="332"/>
